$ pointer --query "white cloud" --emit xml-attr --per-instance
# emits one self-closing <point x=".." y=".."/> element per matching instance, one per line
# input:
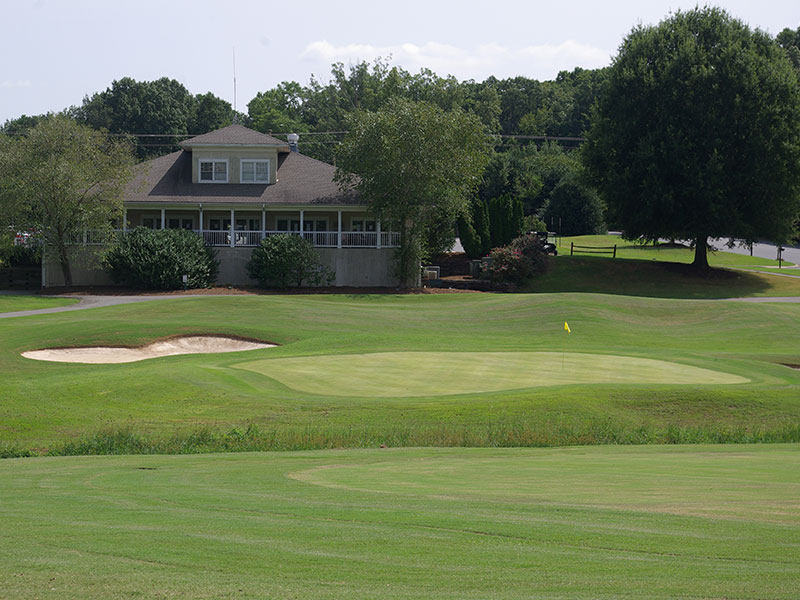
<point x="540" y="62"/>
<point x="20" y="83"/>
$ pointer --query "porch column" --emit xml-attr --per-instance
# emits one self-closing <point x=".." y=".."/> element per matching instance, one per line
<point x="124" y="219"/>
<point x="263" y="221"/>
<point x="378" y="231"/>
<point x="163" y="218"/>
<point x="233" y="229"/>
<point x="302" y="212"/>
<point x="339" y="232"/>
<point x="200" y="222"/>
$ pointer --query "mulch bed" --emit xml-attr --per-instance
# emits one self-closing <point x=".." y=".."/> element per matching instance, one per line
<point x="240" y="291"/>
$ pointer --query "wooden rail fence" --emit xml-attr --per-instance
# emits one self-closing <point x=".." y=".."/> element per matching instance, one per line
<point x="612" y="250"/>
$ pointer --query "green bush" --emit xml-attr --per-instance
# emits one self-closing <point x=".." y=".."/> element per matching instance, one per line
<point x="578" y="206"/>
<point x="157" y="259"/>
<point x="287" y="258"/>
<point x="534" y="223"/>
<point x="469" y="238"/>
<point x="523" y="258"/>
<point x="506" y="219"/>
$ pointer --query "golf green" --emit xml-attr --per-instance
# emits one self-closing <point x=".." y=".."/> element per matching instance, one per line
<point x="403" y="374"/>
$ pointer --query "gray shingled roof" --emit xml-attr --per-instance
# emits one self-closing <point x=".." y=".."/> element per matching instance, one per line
<point x="301" y="181"/>
<point x="234" y="135"/>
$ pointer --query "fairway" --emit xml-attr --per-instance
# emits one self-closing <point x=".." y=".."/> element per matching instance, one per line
<point x="406" y="374"/>
<point x="659" y="522"/>
<point x="407" y="370"/>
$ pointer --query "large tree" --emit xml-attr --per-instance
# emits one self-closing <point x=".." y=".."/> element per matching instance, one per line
<point x="163" y="109"/>
<point x="416" y="166"/>
<point x="789" y="40"/>
<point x="697" y="133"/>
<point x="61" y="179"/>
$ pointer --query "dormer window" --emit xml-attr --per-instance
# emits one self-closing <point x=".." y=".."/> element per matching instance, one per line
<point x="213" y="171"/>
<point x="254" y="171"/>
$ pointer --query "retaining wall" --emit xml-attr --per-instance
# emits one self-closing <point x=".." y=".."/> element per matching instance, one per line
<point x="357" y="267"/>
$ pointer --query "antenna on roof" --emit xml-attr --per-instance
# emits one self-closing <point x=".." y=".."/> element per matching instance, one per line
<point x="235" y="114"/>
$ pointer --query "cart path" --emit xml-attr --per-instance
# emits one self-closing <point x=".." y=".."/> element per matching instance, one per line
<point x="101" y="301"/>
<point x="89" y="301"/>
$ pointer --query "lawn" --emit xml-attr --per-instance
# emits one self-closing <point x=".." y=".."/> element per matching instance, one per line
<point x="577" y="390"/>
<point x="664" y="252"/>
<point x="14" y="303"/>
<point x="660" y="272"/>
<point x="659" y="522"/>
<point x="658" y="279"/>
<point x="489" y="519"/>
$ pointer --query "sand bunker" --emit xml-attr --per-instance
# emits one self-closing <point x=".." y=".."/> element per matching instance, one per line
<point x="191" y="344"/>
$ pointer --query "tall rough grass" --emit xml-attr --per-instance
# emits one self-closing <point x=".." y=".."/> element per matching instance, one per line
<point x="14" y="451"/>
<point x="251" y="438"/>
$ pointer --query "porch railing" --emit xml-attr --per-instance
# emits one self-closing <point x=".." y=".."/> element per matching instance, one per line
<point x="320" y="239"/>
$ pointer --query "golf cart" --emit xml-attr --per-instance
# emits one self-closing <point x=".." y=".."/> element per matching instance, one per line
<point x="547" y="246"/>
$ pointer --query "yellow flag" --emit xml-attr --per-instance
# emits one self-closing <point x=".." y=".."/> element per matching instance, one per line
<point x="566" y="327"/>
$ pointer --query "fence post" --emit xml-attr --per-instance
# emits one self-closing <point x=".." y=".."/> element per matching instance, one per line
<point x="615" y="251"/>
<point x="571" y="247"/>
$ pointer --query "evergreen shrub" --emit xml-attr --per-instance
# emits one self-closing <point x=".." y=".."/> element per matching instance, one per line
<point x="286" y="258"/>
<point x="157" y="259"/>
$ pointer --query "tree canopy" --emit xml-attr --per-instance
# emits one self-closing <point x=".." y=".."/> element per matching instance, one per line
<point x="789" y="40"/>
<point x="61" y="179"/>
<point x="416" y="166"/>
<point x="163" y="107"/>
<point x="697" y="133"/>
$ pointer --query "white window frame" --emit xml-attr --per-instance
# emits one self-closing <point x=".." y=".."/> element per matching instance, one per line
<point x="213" y="162"/>
<point x="254" y="161"/>
<point x="290" y="222"/>
<point x="156" y="219"/>
<point x="363" y="223"/>
<point x="312" y="221"/>
<point x="181" y="218"/>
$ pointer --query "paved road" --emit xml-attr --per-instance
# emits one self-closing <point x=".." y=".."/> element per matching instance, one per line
<point x="761" y="249"/>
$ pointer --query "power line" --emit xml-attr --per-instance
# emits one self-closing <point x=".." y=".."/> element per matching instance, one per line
<point x="542" y="138"/>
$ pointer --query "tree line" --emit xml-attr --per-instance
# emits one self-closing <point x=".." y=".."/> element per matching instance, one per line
<point x="514" y="106"/>
<point x="692" y="131"/>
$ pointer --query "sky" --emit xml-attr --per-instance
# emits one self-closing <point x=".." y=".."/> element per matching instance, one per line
<point x="55" y="52"/>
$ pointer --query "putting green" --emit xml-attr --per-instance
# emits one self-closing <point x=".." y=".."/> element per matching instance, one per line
<point x="399" y="374"/>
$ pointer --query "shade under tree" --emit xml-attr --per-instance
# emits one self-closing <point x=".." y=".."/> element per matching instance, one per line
<point x="697" y="133"/>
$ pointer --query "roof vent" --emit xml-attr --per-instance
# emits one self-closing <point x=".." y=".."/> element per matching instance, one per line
<point x="293" y="139"/>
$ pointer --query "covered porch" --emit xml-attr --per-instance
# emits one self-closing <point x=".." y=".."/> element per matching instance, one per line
<point x="246" y="227"/>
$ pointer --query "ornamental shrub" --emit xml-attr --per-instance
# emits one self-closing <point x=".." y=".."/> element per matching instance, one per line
<point x="531" y="247"/>
<point x="523" y="258"/>
<point x="157" y="259"/>
<point x="286" y="258"/>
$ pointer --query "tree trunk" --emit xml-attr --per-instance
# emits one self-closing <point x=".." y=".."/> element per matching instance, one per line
<point x="408" y="266"/>
<point x="700" y="252"/>
<point x="63" y="259"/>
